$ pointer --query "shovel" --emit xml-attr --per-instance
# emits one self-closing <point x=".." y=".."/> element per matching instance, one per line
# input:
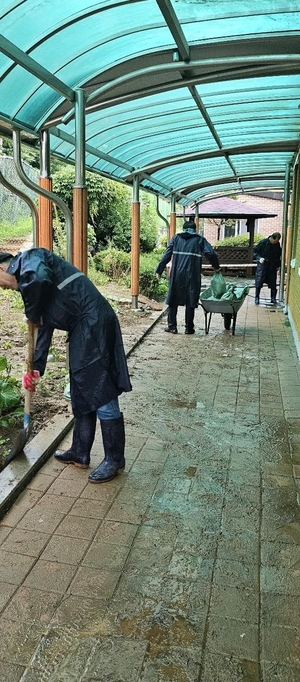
<point x="24" y="434"/>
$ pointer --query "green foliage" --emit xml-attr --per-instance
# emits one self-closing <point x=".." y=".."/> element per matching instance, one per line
<point x="116" y="265"/>
<point x="240" y="240"/>
<point x="109" y="210"/>
<point x="149" y="224"/>
<point x="59" y="238"/>
<point x="9" y="390"/>
<point x="109" y="205"/>
<point x="113" y="262"/>
<point x="149" y="284"/>
<point x="164" y="242"/>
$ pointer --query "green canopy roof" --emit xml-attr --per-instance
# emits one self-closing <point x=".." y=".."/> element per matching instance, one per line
<point x="199" y="97"/>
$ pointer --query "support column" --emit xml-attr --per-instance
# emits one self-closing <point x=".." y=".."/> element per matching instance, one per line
<point x="250" y="228"/>
<point x="45" y="228"/>
<point x="173" y="216"/>
<point x="197" y="217"/>
<point x="286" y="199"/>
<point x="135" y="243"/>
<point x="80" y="250"/>
<point x="295" y="209"/>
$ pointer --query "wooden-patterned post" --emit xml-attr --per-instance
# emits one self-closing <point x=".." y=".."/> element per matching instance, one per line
<point x="173" y="216"/>
<point x="197" y="217"/>
<point x="44" y="235"/>
<point x="135" y="243"/>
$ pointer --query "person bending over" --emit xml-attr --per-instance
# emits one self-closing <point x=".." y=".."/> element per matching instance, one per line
<point x="56" y="295"/>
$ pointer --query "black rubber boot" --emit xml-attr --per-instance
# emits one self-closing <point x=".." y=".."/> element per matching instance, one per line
<point x="273" y="295"/>
<point x="171" y="330"/>
<point x="83" y="438"/>
<point x="113" y="434"/>
<point x="257" y="292"/>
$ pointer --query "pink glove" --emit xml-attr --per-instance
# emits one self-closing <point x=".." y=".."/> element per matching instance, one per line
<point x="30" y="380"/>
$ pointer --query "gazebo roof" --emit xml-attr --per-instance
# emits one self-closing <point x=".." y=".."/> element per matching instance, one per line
<point x="224" y="207"/>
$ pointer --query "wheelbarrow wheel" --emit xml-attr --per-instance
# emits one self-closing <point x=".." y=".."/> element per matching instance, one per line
<point x="227" y="320"/>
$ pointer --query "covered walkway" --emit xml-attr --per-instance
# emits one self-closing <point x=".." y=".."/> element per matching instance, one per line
<point x="186" y="567"/>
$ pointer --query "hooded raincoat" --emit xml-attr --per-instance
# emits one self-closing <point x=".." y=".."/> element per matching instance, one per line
<point x="186" y="250"/>
<point x="58" y="296"/>
<point x="266" y="273"/>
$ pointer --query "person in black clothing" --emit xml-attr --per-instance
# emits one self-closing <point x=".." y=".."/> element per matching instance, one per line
<point x="58" y="296"/>
<point x="186" y="250"/>
<point x="268" y="256"/>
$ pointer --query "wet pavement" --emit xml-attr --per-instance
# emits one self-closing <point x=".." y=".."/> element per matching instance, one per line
<point x="186" y="567"/>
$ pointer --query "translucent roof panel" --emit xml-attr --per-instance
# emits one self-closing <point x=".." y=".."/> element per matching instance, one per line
<point x="194" y="97"/>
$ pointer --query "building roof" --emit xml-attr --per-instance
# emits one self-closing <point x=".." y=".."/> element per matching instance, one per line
<point x="224" y="207"/>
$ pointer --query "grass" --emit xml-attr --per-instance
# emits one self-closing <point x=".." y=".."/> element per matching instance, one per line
<point x="20" y="229"/>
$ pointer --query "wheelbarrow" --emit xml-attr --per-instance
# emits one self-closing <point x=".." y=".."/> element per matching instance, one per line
<point x="227" y="308"/>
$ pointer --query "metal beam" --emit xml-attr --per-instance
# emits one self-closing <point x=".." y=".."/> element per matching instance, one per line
<point x="280" y="145"/>
<point x="175" y="28"/>
<point x="57" y="132"/>
<point x="29" y="64"/>
<point x="66" y="137"/>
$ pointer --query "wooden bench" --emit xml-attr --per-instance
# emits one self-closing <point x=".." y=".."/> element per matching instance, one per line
<point x="235" y="259"/>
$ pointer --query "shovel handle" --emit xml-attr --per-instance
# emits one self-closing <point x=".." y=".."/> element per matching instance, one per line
<point x="31" y="345"/>
<point x="32" y="335"/>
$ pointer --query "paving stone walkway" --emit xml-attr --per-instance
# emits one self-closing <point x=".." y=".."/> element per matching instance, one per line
<point x="186" y="568"/>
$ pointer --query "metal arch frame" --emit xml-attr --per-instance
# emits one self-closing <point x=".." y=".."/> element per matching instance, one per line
<point x="43" y="192"/>
<point x="284" y="146"/>
<point x="222" y="180"/>
<point x="33" y="210"/>
<point x="245" y="66"/>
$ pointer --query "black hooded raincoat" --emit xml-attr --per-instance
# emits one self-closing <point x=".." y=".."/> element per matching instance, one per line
<point x="59" y="296"/>
<point x="266" y="273"/>
<point x="186" y="250"/>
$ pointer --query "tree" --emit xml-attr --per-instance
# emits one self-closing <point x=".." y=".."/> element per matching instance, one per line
<point x="109" y="209"/>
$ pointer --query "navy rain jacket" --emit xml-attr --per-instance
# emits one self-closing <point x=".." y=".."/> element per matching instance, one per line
<point x="59" y="296"/>
<point x="186" y="249"/>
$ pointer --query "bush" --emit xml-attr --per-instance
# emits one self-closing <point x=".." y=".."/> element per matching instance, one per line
<point x="113" y="262"/>
<point x="149" y="284"/>
<point x="240" y="240"/>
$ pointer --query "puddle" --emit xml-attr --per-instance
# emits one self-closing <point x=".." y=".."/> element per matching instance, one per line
<point x="190" y="472"/>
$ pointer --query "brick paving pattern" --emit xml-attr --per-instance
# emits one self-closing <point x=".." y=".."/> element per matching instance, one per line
<point x="186" y="567"/>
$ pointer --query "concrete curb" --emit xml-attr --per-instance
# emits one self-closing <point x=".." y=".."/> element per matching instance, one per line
<point x="16" y="475"/>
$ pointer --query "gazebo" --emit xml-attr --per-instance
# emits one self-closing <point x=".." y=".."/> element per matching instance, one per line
<point x="224" y="207"/>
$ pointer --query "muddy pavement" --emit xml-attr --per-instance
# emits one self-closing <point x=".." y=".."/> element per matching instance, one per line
<point x="186" y="567"/>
